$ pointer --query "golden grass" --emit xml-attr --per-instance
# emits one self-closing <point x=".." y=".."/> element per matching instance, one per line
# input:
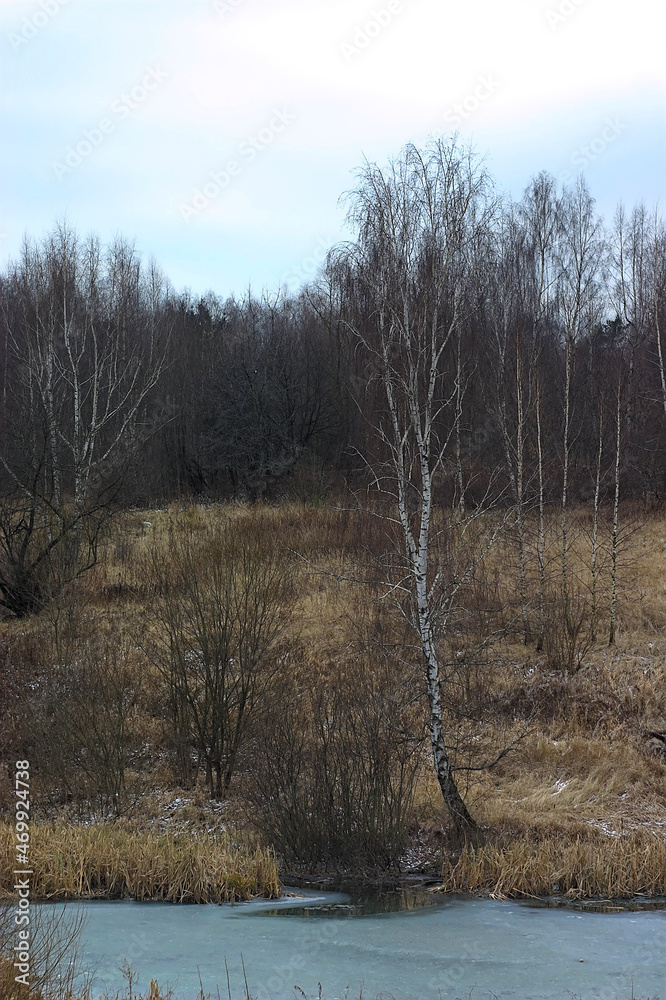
<point x="553" y="784"/>
<point x="610" y="867"/>
<point x="586" y="762"/>
<point x="8" y="986"/>
<point x="77" y="862"/>
<point x="345" y="543"/>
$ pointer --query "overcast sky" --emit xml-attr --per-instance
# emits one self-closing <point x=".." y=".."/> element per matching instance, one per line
<point x="220" y="134"/>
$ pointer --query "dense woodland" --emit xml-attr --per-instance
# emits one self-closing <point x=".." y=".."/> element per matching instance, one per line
<point x="118" y="390"/>
<point x="486" y="376"/>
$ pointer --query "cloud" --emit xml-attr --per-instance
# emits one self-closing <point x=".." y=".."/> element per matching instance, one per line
<point x="231" y="63"/>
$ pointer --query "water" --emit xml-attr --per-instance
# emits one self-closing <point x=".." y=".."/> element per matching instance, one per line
<point x="454" y="948"/>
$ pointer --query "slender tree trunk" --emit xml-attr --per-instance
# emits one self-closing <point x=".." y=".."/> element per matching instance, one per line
<point x="460" y="484"/>
<point x="458" y="811"/>
<point x="660" y="351"/>
<point x="462" y="820"/>
<point x="418" y="552"/>
<point x="520" y="474"/>
<point x="595" y="530"/>
<point x="616" y="509"/>
<point x="565" y="473"/>
<point x="51" y="419"/>
<point x="541" y="541"/>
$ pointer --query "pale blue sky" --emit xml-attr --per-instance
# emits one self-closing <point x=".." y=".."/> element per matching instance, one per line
<point x="116" y="112"/>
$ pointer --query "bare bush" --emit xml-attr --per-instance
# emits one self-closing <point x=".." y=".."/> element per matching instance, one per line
<point x="217" y="626"/>
<point x="56" y="971"/>
<point x="81" y="723"/>
<point x="569" y="633"/>
<point x="335" y="765"/>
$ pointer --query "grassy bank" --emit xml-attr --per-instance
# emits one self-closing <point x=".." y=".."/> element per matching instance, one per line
<point x="578" y="803"/>
<point x="80" y="862"/>
<point x="611" y="868"/>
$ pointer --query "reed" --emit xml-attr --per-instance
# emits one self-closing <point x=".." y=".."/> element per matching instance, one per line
<point x="77" y="862"/>
<point x="609" y="867"/>
<point x="8" y="985"/>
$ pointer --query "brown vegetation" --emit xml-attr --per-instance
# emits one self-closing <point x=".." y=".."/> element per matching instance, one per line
<point x="79" y="862"/>
<point x="581" y="792"/>
<point x="613" y="868"/>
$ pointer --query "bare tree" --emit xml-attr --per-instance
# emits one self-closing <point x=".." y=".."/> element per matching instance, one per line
<point x="84" y="340"/>
<point x="408" y="281"/>
<point x="616" y="510"/>
<point x="594" y="553"/>
<point x="515" y="315"/>
<point x="538" y="215"/>
<point x="220" y="616"/>
<point x="580" y="259"/>
<point x="657" y="265"/>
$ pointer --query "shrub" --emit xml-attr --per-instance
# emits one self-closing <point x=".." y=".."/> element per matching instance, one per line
<point x="335" y="767"/>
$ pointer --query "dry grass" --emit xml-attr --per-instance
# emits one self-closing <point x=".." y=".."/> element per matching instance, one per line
<point x="613" y="868"/>
<point x="563" y="784"/>
<point x="17" y="991"/>
<point x="76" y="862"/>
<point x="587" y="767"/>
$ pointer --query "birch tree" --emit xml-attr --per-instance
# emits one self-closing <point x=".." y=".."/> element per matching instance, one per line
<point x="657" y="265"/>
<point x="580" y="258"/>
<point x="538" y="217"/>
<point x="514" y="310"/>
<point x="639" y="286"/>
<point x="84" y="345"/>
<point x="408" y="282"/>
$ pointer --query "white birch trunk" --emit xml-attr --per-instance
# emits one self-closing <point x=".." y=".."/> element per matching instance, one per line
<point x="616" y="512"/>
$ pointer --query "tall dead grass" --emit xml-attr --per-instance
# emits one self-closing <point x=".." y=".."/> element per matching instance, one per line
<point x="589" y="762"/>
<point x="77" y="862"/>
<point x="610" y="867"/>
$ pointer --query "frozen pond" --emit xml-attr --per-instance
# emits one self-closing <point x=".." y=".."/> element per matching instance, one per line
<point x="450" y="949"/>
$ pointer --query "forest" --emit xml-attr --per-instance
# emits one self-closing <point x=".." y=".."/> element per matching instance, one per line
<point x="117" y="389"/>
<point x="363" y="577"/>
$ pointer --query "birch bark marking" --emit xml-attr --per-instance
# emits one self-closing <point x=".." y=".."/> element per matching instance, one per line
<point x="410" y="270"/>
<point x="616" y="510"/>
<point x="541" y="541"/>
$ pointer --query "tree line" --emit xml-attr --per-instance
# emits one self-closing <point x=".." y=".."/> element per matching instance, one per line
<point x="546" y="327"/>
<point x="467" y="367"/>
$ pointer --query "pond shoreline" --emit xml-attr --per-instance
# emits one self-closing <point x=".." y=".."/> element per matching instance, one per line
<point x="430" y="889"/>
<point x="108" y="861"/>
